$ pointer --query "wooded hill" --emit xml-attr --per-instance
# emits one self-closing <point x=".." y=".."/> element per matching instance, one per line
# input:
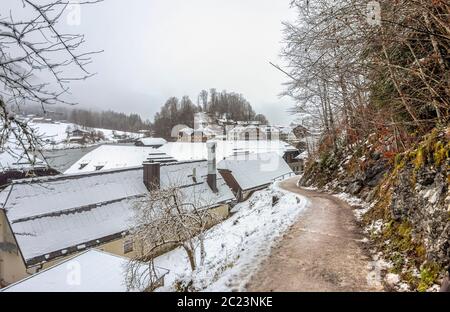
<point x="176" y="112"/>
<point x="92" y="119"/>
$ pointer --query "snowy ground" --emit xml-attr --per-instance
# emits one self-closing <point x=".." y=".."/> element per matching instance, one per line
<point x="235" y="248"/>
<point x="55" y="134"/>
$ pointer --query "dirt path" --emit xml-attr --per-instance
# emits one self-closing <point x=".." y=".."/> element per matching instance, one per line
<point x="320" y="252"/>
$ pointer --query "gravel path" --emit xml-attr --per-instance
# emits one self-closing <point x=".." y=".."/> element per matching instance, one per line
<point x="320" y="252"/>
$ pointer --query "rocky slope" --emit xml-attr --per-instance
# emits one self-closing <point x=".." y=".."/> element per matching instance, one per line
<point x="408" y="193"/>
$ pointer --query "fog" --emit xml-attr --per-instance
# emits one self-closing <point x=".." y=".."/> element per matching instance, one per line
<point x="154" y="49"/>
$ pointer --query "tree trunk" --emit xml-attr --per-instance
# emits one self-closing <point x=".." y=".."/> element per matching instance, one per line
<point x="202" y="249"/>
<point x="191" y="255"/>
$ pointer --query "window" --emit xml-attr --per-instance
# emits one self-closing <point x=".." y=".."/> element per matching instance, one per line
<point x="127" y="246"/>
<point x="97" y="168"/>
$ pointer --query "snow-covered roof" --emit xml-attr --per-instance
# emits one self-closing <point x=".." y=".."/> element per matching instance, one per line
<point x="17" y="160"/>
<point x="152" y="141"/>
<point x="303" y="155"/>
<point x="187" y="130"/>
<point x="52" y="216"/>
<point x="197" y="150"/>
<point x="107" y="157"/>
<point x="99" y="271"/>
<point x="254" y="170"/>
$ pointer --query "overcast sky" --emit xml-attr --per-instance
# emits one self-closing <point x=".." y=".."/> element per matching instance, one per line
<point x="154" y="49"/>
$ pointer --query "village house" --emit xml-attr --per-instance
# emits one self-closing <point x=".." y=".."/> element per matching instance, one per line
<point x="78" y="135"/>
<point x="44" y="220"/>
<point x="200" y="134"/>
<point x="183" y="151"/>
<point x="186" y="134"/>
<point x="248" y="131"/>
<point x="246" y="173"/>
<point x="92" y="270"/>
<point x="151" y="142"/>
<point x="207" y="128"/>
<point x="244" y="132"/>
<point x="270" y="133"/>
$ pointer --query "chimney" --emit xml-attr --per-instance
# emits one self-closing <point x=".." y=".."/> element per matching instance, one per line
<point x="151" y="175"/>
<point x="212" y="179"/>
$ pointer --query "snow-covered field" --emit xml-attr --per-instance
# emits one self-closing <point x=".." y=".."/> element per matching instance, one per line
<point x="236" y="247"/>
<point x="55" y="133"/>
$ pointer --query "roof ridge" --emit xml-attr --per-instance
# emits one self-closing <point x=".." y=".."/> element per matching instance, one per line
<point x="184" y="162"/>
<point x="73" y="175"/>
<point x="75" y="209"/>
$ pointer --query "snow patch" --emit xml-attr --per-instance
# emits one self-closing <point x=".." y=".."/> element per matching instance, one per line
<point x="236" y="247"/>
<point x="360" y="207"/>
<point x="375" y="227"/>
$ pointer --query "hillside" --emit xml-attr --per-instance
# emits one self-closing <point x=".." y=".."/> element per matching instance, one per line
<point x="407" y="202"/>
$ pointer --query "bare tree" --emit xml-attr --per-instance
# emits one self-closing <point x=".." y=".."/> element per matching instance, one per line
<point x="203" y="100"/>
<point x="34" y="61"/>
<point x="168" y="218"/>
<point x="360" y="75"/>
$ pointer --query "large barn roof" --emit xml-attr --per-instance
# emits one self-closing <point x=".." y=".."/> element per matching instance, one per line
<point x="255" y="170"/>
<point x="52" y="216"/>
<point x="152" y="141"/>
<point x="107" y="157"/>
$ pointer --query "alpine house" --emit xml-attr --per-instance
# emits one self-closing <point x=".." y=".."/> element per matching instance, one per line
<point x="44" y="220"/>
